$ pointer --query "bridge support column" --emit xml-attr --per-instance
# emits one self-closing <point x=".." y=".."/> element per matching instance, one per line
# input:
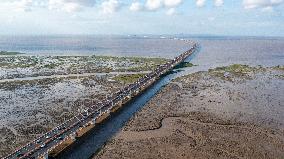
<point x="126" y="99"/>
<point x="135" y="93"/>
<point x="84" y="129"/>
<point x="64" y="144"/>
<point x="102" y="117"/>
<point x="44" y="156"/>
<point x="116" y="107"/>
<point x="73" y="136"/>
<point x="94" y="121"/>
<point x="142" y="88"/>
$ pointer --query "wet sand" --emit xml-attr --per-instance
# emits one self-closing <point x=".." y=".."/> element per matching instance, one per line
<point x="227" y="112"/>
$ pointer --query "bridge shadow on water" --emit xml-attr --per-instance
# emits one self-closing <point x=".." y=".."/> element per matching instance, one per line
<point x="86" y="146"/>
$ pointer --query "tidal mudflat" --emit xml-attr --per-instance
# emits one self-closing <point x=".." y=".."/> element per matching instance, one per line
<point x="34" y="66"/>
<point x="39" y="92"/>
<point x="227" y="112"/>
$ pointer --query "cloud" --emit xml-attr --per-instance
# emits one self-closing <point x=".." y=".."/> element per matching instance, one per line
<point x="70" y="5"/>
<point x="171" y="11"/>
<point x="200" y="3"/>
<point x="172" y="3"/>
<point x="110" y="6"/>
<point x="153" y="4"/>
<point x="24" y="5"/>
<point x="251" y="4"/>
<point x="136" y="6"/>
<point x="211" y="18"/>
<point x="267" y="9"/>
<point x="65" y="5"/>
<point x="157" y="4"/>
<point x="219" y="3"/>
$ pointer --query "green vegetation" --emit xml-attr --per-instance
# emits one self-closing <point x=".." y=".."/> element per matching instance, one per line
<point x="279" y="67"/>
<point x="29" y="83"/>
<point x="9" y="53"/>
<point x="45" y="83"/>
<point x="184" y="64"/>
<point x="83" y="63"/>
<point x="234" y="69"/>
<point x="280" y="76"/>
<point x="51" y="66"/>
<point x="134" y="59"/>
<point x="127" y="78"/>
<point x="280" y="70"/>
<point x="234" y="72"/>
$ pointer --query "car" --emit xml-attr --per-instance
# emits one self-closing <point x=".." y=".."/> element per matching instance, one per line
<point x="42" y="146"/>
<point x="20" y="155"/>
<point x="38" y="141"/>
<point x="60" y="138"/>
<point x="47" y="137"/>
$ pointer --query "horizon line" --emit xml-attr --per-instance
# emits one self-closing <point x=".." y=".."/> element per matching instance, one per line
<point x="143" y="35"/>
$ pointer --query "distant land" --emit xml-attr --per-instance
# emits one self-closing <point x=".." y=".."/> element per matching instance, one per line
<point x="9" y="53"/>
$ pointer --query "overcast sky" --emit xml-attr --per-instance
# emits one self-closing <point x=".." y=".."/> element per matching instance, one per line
<point x="216" y="17"/>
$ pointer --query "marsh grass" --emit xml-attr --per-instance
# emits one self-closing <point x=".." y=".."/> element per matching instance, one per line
<point x="29" y="83"/>
<point x="279" y="67"/>
<point x="127" y="78"/>
<point x="184" y="64"/>
<point x="80" y="62"/>
<point x="9" y="53"/>
<point x="236" y="70"/>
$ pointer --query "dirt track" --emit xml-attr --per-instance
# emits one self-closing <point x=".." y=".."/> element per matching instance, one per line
<point x="230" y="112"/>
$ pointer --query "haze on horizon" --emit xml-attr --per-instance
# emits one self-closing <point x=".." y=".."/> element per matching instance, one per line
<point x="213" y="17"/>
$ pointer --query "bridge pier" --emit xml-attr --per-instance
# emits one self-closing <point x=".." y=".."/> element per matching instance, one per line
<point x="116" y="107"/>
<point x="94" y="121"/>
<point x="73" y="136"/>
<point x="126" y="99"/>
<point x="102" y="117"/>
<point x="44" y="156"/>
<point x="64" y="144"/>
<point x="84" y="129"/>
<point x="135" y="93"/>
